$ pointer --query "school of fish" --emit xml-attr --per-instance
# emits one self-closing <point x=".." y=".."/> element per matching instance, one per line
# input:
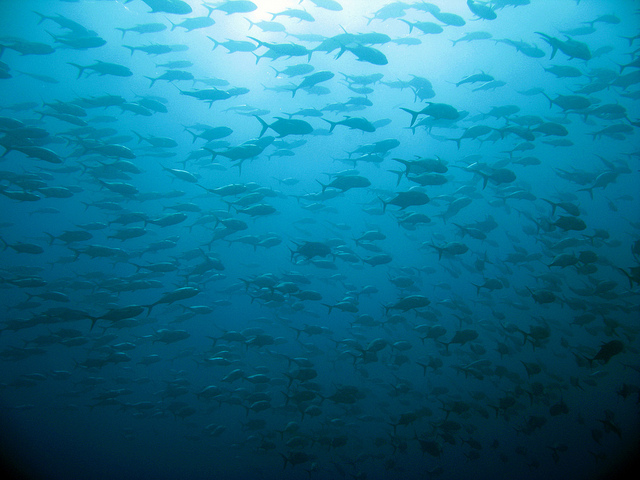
<point x="320" y="239"/>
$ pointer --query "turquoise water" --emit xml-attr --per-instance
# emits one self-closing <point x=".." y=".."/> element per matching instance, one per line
<point x="319" y="240"/>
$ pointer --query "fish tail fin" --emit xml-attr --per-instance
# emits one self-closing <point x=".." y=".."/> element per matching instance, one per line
<point x="485" y="179"/>
<point x="621" y="270"/>
<point x="588" y="189"/>
<point x="44" y="17"/>
<point x="478" y="287"/>
<point x="286" y="460"/>
<point x="457" y="140"/>
<point x="153" y="80"/>
<point x="51" y="238"/>
<point x="324" y="187"/>
<point x="173" y="25"/>
<point x="210" y="8"/>
<point x="408" y="23"/>
<point x="264" y="124"/>
<point x="259" y="42"/>
<point x="330" y="307"/>
<point x="342" y="50"/>
<point x="333" y="124"/>
<point x="413" y="113"/>
<point x="215" y="42"/>
<point x="133" y="49"/>
<point x="553" y="205"/>
<point x="399" y="173"/>
<point x="194" y="135"/>
<point x="251" y="24"/>
<point x="79" y="67"/>
<point x="138" y="267"/>
<point x="123" y="30"/>
<point x="93" y="322"/>
<point x="140" y="137"/>
<point x="384" y="204"/>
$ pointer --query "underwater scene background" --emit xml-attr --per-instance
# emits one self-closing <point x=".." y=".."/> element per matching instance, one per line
<point x="319" y="239"/>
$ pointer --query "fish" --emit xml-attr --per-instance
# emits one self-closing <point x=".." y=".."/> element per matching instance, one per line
<point x="317" y="314"/>
<point x="571" y="48"/>
<point x="103" y="68"/>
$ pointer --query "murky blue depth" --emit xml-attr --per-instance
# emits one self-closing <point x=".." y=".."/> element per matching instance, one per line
<point x="319" y="240"/>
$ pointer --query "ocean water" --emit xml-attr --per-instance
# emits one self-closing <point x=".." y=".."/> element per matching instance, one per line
<point x="431" y="273"/>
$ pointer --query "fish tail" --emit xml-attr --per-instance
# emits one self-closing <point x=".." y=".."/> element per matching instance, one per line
<point x="51" y="238"/>
<point x="413" y="113"/>
<point x="259" y="42"/>
<point x="399" y="173"/>
<point x="153" y="80"/>
<point x="140" y="137"/>
<point x="330" y="307"/>
<point x="621" y="269"/>
<point x="194" y="135"/>
<point x="173" y="25"/>
<point x="588" y="189"/>
<point x="408" y="23"/>
<point x="138" y="267"/>
<point x="264" y="124"/>
<point x="485" y="177"/>
<point x="333" y="124"/>
<point x="123" y="30"/>
<point x="93" y="322"/>
<point x="553" y="205"/>
<point x="384" y="204"/>
<point x="79" y="67"/>
<point x="44" y="17"/>
<point x="457" y="140"/>
<point x="210" y="8"/>
<point x="215" y="42"/>
<point x="130" y="48"/>
<point x="251" y="24"/>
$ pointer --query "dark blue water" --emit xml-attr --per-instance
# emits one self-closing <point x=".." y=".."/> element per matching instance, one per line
<point x="487" y="327"/>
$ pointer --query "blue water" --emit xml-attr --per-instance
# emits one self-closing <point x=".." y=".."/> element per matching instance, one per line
<point x="356" y="384"/>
